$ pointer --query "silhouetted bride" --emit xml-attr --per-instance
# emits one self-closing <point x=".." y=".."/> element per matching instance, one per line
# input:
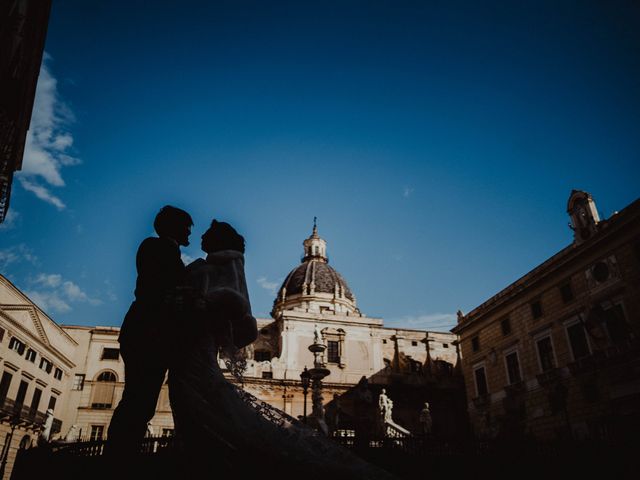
<point x="220" y="427"/>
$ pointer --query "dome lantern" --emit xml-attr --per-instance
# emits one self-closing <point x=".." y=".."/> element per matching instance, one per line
<point x="315" y="248"/>
<point x="313" y="285"/>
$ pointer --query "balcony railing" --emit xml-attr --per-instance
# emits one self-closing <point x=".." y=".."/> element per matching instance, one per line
<point x="95" y="448"/>
<point x="24" y="416"/>
<point x="548" y="377"/>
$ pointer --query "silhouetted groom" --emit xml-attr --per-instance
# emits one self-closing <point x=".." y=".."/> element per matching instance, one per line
<point x="146" y="329"/>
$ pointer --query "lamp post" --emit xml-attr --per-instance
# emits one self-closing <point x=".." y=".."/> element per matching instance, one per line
<point x="14" y="421"/>
<point x="317" y="373"/>
<point x="305" y="378"/>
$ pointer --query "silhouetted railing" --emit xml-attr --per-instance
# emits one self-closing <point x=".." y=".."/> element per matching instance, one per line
<point x="95" y="448"/>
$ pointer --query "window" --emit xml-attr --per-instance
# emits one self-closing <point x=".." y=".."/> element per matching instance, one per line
<point x="578" y="341"/>
<point x="35" y="401"/>
<point x="262" y="356"/>
<point x="46" y="365"/>
<point x="505" y="326"/>
<point x="414" y="343"/>
<point x="335" y="345"/>
<point x="52" y="403"/>
<point x="445" y="345"/>
<point x="536" y="309"/>
<point x="57" y="374"/>
<point x="106" y="376"/>
<point x="103" y="390"/>
<point x="22" y="392"/>
<point x="617" y="326"/>
<point x="481" y="381"/>
<point x="31" y="355"/>
<point x="475" y="343"/>
<point x="4" y="386"/>
<point x="78" y="382"/>
<point x="110" y="354"/>
<point x="97" y="431"/>
<point x="267" y="375"/>
<point x="167" y="432"/>
<point x="333" y="353"/>
<point x="545" y="354"/>
<point x="513" y="368"/>
<point x="600" y="272"/>
<point x="566" y="292"/>
<point x="16" y="345"/>
<point x="384" y="341"/>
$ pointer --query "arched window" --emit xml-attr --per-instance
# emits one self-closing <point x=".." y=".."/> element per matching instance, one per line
<point x="25" y="442"/>
<point x="107" y="376"/>
<point x="103" y="390"/>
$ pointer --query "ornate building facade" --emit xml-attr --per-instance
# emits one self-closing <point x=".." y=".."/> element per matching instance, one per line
<point x="37" y="358"/>
<point x="361" y="357"/>
<point x="556" y="353"/>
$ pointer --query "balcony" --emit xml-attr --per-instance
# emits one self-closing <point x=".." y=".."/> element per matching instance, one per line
<point x="587" y="364"/>
<point x="615" y="356"/>
<point x="548" y="377"/>
<point x="24" y="416"/>
<point x="482" y="401"/>
<point x="515" y="388"/>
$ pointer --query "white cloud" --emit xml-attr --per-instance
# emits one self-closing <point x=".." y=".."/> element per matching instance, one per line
<point x="48" y="140"/>
<point x="432" y="321"/>
<point x="407" y="191"/>
<point x="16" y="254"/>
<point x="57" y="294"/>
<point x="49" y="301"/>
<point x="109" y="291"/>
<point x="270" y="287"/>
<point x="52" y="280"/>
<point x="42" y="193"/>
<point x="10" y="220"/>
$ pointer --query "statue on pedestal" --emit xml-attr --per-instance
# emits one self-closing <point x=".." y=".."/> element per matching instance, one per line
<point x="425" y="420"/>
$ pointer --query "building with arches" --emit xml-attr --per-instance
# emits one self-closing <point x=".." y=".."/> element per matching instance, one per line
<point x="37" y="358"/>
<point x="362" y="356"/>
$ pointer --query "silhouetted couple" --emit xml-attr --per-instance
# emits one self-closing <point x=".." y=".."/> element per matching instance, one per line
<point x="182" y="320"/>
<point x="172" y="304"/>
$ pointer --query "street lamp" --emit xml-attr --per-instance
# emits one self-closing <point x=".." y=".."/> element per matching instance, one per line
<point x="14" y="421"/>
<point x="305" y="378"/>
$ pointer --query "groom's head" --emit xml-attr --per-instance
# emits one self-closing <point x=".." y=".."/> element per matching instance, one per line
<point x="174" y="223"/>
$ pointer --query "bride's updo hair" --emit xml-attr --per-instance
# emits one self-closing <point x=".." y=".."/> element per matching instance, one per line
<point x="222" y="236"/>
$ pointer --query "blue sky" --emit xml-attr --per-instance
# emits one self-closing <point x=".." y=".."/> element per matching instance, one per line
<point x="437" y="142"/>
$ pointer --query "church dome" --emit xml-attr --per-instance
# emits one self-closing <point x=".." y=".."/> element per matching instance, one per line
<point x="314" y="285"/>
<point x="317" y="273"/>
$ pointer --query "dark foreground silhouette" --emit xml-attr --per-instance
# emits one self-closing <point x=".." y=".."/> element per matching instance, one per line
<point x="408" y="459"/>
<point x="145" y="336"/>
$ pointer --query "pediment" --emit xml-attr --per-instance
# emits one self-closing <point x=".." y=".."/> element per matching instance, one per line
<point x="333" y="331"/>
<point x="26" y="319"/>
<point x="10" y="295"/>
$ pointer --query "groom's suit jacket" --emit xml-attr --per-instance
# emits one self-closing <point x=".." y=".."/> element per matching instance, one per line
<point x="160" y="271"/>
